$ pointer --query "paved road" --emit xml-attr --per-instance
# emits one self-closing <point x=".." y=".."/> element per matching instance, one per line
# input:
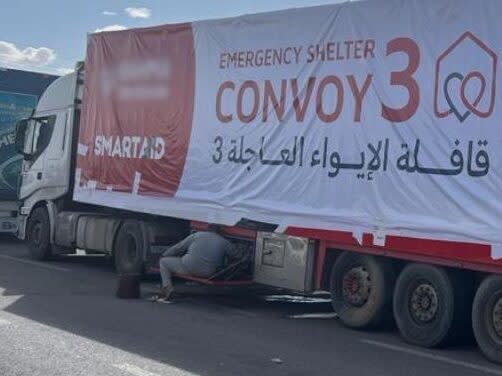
<point x="61" y="318"/>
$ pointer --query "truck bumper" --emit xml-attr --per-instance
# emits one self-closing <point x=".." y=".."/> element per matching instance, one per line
<point x="8" y="225"/>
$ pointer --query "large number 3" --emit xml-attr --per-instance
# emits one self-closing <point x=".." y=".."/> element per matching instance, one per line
<point x="404" y="78"/>
<point x="217" y="157"/>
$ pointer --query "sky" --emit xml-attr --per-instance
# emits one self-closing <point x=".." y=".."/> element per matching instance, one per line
<point x="49" y="35"/>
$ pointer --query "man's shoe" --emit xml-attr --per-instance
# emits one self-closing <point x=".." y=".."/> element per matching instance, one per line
<point x="167" y="292"/>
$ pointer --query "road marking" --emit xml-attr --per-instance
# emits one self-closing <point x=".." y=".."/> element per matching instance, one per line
<point x="4" y="322"/>
<point x="137" y="371"/>
<point x="319" y="315"/>
<point x="438" y="358"/>
<point x="295" y="299"/>
<point x="34" y="263"/>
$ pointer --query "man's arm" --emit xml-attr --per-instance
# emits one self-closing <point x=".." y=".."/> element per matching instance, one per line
<point x="180" y="248"/>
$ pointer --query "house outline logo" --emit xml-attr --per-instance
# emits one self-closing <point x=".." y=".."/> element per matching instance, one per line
<point x="471" y="105"/>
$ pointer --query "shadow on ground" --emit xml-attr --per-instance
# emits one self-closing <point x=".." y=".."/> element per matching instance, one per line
<point x="203" y="329"/>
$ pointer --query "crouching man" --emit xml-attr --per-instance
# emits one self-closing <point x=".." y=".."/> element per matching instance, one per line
<point x="200" y="254"/>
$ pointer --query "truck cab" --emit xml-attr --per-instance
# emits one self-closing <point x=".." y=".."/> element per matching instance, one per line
<point x="46" y="140"/>
<point x="49" y="219"/>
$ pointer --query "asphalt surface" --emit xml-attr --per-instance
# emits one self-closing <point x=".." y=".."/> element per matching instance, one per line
<point x="61" y="318"/>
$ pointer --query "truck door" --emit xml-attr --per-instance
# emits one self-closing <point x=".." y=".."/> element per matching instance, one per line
<point x="37" y="139"/>
<point x="57" y="168"/>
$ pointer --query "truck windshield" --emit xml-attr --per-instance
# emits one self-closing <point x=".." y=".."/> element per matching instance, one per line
<point x="38" y="135"/>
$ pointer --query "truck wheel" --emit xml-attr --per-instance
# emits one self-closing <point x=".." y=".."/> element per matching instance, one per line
<point x="361" y="290"/>
<point x="431" y="305"/>
<point x="38" y="234"/>
<point x="487" y="318"/>
<point x="130" y="248"/>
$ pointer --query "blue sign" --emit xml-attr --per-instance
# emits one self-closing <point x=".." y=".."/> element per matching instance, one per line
<point x="13" y="107"/>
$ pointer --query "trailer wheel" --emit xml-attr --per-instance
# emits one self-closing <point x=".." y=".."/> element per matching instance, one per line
<point x="361" y="290"/>
<point x="130" y="248"/>
<point x="487" y="318"/>
<point x="431" y="305"/>
<point x="38" y="234"/>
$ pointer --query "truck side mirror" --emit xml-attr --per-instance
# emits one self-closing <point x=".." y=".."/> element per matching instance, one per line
<point x="21" y="128"/>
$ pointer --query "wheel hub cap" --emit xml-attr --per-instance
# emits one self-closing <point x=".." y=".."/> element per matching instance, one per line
<point x="356" y="286"/>
<point x="424" y="303"/>
<point x="497" y="317"/>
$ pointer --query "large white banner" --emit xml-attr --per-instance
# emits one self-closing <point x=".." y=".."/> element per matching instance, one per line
<point x="371" y="115"/>
<point x="378" y="116"/>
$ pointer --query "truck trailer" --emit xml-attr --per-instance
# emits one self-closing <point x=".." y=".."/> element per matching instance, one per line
<point x="19" y="93"/>
<point x="352" y="148"/>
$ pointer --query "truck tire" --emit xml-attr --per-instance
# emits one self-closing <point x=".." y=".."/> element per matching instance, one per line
<point x="38" y="234"/>
<point x="431" y="305"/>
<point x="361" y="290"/>
<point x="130" y="248"/>
<point x="487" y="318"/>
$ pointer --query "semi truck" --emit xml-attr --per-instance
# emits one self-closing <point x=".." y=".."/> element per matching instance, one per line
<point x="353" y="148"/>
<point x="19" y="93"/>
